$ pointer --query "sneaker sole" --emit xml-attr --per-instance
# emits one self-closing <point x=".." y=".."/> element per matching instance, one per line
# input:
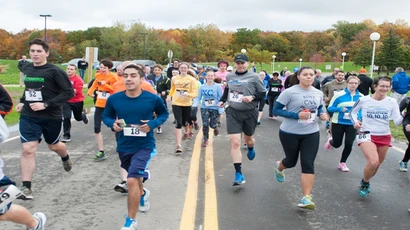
<point x="309" y="206"/>
<point x="25" y="197"/>
<point x="120" y="189"/>
<point x="100" y="159"/>
<point x="237" y="184"/>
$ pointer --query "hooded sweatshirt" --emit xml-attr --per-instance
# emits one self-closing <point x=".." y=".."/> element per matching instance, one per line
<point x="104" y="85"/>
<point x="401" y="83"/>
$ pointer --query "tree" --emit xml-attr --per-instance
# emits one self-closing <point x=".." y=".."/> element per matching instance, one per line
<point x="245" y="38"/>
<point x="364" y="56"/>
<point x="346" y="30"/>
<point x="392" y="52"/>
<point x="259" y="56"/>
<point x="295" y="50"/>
<point x="316" y="58"/>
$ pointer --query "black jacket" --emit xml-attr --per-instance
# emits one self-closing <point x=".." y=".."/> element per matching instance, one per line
<point x="163" y="84"/>
<point x="22" y="64"/>
<point x="405" y="104"/>
<point x="6" y="103"/>
<point x="365" y="84"/>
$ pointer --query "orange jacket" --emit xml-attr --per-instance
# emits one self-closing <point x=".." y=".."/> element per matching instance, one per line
<point x="104" y="85"/>
<point x="120" y="86"/>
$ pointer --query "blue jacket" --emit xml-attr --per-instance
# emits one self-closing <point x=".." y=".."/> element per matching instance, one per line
<point x="341" y="100"/>
<point x="401" y="83"/>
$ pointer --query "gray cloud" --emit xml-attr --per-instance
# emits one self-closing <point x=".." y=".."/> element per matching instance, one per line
<point x="272" y="15"/>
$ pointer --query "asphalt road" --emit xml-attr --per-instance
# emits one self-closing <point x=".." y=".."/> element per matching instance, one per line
<point x="194" y="190"/>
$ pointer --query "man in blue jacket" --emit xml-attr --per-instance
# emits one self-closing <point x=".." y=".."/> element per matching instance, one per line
<point x="400" y="85"/>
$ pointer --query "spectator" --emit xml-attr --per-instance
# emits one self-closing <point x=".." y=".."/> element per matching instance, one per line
<point x="316" y="82"/>
<point x="330" y="78"/>
<point x="22" y="63"/>
<point x="366" y="83"/>
<point x="400" y="85"/>
<point x="174" y="67"/>
<point x="82" y="66"/>
<point x="282" y="73"/>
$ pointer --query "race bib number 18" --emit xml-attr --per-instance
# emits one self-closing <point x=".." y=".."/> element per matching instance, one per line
<point x="363" y="137"/>
<point x="133" y="131"/>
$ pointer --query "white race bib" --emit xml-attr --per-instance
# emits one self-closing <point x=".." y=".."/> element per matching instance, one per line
<point x="133" y="131"/>
<point x="346" y="116"/>
<point x="235" y="97"/>
<point x="363" y="137"/>
<point x="33" y="95"/>
<point x="181" y="92"/>
<point x="103" y="95"/>
<point x="310" y="120"/>
<point x="210" y="102"/>
<point x="274" y="89"/>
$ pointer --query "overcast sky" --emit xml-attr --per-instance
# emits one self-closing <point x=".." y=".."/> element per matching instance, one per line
<point x="228" y="15"/>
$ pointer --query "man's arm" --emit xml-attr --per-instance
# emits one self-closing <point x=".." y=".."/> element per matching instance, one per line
<point x="67" y="91"/>
<point x="161" y="112"/>
<point x="6" y="103"/>
<point x="109" y="114"/>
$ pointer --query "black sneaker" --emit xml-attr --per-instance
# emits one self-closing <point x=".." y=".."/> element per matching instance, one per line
<point x="219" y="124"/>
<point x="85" y="120"/>
<point x="26" y="193"/>
<point x="121" y="187"/>
<point x="65" y="139"/>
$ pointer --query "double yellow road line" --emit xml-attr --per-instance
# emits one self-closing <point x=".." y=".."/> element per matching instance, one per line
<point x="191" y="196"/>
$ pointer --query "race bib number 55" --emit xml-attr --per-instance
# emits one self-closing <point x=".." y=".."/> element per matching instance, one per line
<point x="363" y="137"/>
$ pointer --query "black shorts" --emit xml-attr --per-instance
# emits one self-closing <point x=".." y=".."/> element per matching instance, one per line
<point x="31" y="129"/>
<point x="241" y="121"/>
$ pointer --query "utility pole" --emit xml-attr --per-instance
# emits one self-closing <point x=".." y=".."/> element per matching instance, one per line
<point x="45" y="24"/>
<point x="145" y="36"/>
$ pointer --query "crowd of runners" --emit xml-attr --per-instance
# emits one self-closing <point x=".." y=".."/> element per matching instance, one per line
<point x="133" y="104"/>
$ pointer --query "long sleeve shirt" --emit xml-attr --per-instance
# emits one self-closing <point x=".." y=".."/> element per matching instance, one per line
<point x="210" y="95"/>
<point x="78" y="86"/>
<point x="180" y="86"/>
<point x="103" y="84"/>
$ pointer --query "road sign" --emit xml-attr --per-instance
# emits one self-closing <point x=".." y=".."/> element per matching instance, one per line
<point x="170" y="54"/>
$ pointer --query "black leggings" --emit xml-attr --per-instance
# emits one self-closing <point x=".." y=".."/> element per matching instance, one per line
<point x="406" y="157"/>
<point x="261" y="104"/>
<point x="307" y="145"/>
<point x="182" y="115"/>
<point x="272" y="100"/>
<point x="77" y="108"/>
<point x="349" y="132"/>
<point x="97" y="119"/>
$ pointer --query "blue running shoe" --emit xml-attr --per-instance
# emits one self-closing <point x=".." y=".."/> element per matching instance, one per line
<point x="327" y="125"/>
<point x="144" y="204"/>
<point x="403" y="166"/>
<point x="280" y="176"/>
<point x="306" y="203"/>
<point x="251" y="154"/>
<point x="364" y="189"/>
<point x="239" y="179"/>
<point x="130" y="224"/>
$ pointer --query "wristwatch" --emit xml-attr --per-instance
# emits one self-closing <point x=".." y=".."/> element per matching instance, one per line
<point x="46" y="104"/>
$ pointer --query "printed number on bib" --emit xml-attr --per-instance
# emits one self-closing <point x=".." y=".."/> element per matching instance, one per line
<point x="181" y="92"/>
<point x="346" y="116"/>
<point x="103" y="95"/>
<point x="363" y="137"/>
<point x="274" y="89"/>
<point x="33" y="95"/>
<point x="210" y="102"/>
<point x="235" y="96"/>
<point x="133" y="131"/>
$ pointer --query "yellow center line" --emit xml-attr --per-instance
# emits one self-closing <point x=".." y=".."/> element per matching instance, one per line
<point x="211" y="206"/>
<point x="189" y="212"/>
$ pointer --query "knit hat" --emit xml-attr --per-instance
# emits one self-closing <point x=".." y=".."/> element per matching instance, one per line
<point x="362" y="70"/>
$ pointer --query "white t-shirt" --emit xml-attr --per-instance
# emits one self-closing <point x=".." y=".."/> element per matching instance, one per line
<point x="375" y="115"/>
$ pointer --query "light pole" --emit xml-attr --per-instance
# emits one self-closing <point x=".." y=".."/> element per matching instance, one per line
<point x="273" y="63"/>
<point x="374" y="37"/>
<point x="300" y="62"/>
<point x="145" y="36"/>
<point x="45" y="24"/>
<point x="243" y="51"/>
<point x="343" y="62"/>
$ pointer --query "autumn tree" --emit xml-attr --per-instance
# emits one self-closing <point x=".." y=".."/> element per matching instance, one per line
<point x="346" y="30"/>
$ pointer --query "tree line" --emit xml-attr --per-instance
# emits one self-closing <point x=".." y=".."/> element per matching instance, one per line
<point x="207" y="43"/>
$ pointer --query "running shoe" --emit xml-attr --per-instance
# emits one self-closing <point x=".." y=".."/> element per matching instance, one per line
<point x="185" y="136"/>
<point x="26" y="193"/>
<point x="219" y="124"/>
<point x="280" y="175"/>
<point x="275" y="117"/>
<point x="100" y="156"/>
<point x="239" y="179"/>
<point x="159" y="130"/>
<point x="68" y="164"/>
<point x="258" y="123"/>
<point x="65" y="139"/>
<point x="130" y="224"/>
<point x="205" y="143"/>
<point x="270" y="117"/>
<point x="403" y="166"/>
<point x="196" y="126"/>
<point x="85" y="120"/>
<point x="251" y="154"/>
<point x="306" y="203"/>
<point x="41" y="220"/>
<point x="216" y="132"/>
<point x="327" y="145"/>
<point x="342" y="166"/>
<point x="121" y="187"/>
<point x="144" y="204"/>
<point x="364" y="189"/>
<point x="327" y="124"/>
<point x="178" y="149"/>
<point x="190" y="135"/>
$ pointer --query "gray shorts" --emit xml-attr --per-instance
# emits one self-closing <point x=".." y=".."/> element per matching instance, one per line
<point x="241" y="121"/>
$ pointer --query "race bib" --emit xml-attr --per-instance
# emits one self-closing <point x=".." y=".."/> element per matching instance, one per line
<point x="346" y="116"/>
<point x="363" y="137"/>
<point x="274" y="89"/>
<point x="235" y="97"/>
<point x="103" y="95"/>
<point x="310" y="120"/>
<point x="181" y="92"/>
<point x="210" y="102"/>
<point x="133" y="131"/>
<point x="33" y="95"/>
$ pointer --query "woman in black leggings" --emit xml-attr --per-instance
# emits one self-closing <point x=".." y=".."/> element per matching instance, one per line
<point x="340" y="106"/>
<point x="405" y="104"/>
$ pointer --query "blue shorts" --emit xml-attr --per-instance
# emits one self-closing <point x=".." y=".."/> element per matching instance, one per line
<point x="136" y="163"/>
<point x="32" y="128"/>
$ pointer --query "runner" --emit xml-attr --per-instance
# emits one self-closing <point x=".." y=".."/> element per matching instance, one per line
<point x="261" y="103"/>
<point x="209" y="93"/>
<point x="405" y="104"/>
<point x="6" y="103"/>
<point x="299" y="131"/>
<point x="75" y="104"/>
<point x="340" y="106"/>
<point x="245" y="90"/>
<point x="47" y="88"/>
<point x="103" y="83"/>
<point x="275" y="87"/>
<point x="129" y="114"/>
<point x="220" y="77"/>
<point x="374" y="135"/>
<point x="331" y="87"/>
<point x="163" y="86"/>
<point x="183" y="90"/>
<point x="192" y="123"/>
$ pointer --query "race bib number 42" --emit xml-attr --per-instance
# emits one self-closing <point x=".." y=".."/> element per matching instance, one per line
<point x="33" y="95"/>
<point x="133" y="131"/>
<point x="363" y="137"/>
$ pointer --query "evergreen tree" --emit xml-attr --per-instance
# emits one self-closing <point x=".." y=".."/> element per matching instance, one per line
<point x="364" y="56"/>
<point x="391" y="52"/>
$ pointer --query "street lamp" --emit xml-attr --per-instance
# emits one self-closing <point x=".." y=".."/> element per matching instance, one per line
<point x="273" y="63"/>
<point x="45" y="24"/>
<point x="343" y="62"/>
<point x="243" y="51"/>
<point x="374" y="37"/>
<point x="300" y="62"/>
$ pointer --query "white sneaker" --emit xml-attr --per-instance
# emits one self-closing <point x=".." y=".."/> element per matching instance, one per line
<point x="343" y="167"/>
<point x="130" y="224"/>
<point x="144" y="204"/>
<point x="41" y="220"/>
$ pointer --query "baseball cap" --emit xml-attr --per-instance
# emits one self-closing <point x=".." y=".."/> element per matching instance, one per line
<point x="241" y="58"/>
<point x="296" y="69"/>
<point x="229" y="68"/>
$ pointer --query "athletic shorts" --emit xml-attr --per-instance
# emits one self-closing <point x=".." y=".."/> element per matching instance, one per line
<point x="31" y="129"/>
<point x="136" y="163"/>
<point x="238" y="122"/>
<point x="381" y="141"/>
<point x="5" y="181"/>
